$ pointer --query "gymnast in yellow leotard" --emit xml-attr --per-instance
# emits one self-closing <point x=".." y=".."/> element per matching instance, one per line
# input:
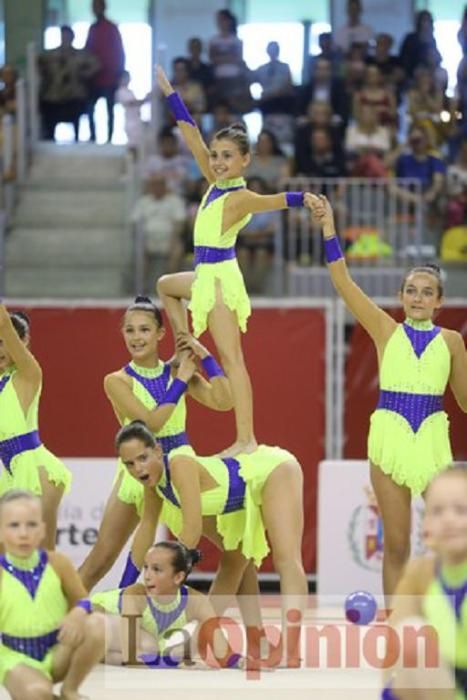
<point x="27" y="463"/>
<point x="149" y="389"/>
<point x="216" y="290"/>
<point x="433" y="590"/>
<point x="408" y="442"/>
<point x="48" y="631"/>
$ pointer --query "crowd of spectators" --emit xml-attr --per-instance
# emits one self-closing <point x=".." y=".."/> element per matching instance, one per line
<point x="363" y="110"/>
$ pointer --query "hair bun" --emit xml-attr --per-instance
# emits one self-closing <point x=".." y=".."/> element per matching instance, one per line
<point x="22" y="316"/>
<point x="143" y="300"/>
<point x="239" y="126"/>
<point x="433" y="266"/>
<point x="195" y="556"/>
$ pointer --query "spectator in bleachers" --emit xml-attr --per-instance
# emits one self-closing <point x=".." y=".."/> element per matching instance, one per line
<point x="198" y="70"/>
<point x="269" y="164"/>
<point x="169" y="162"/>
<point x="105" y="43"/>
<point x="162" y="216"/>
<point x="433" y="63"/>
<point x="65" y="73"/>
<point x="367" y="135"/>
<point x="276" y="80"/>
<point x="354" y="69"/>
<point x="456" y="189"/>
<point x="462" y="33"/>
<point x="8" y="76"/>
<point x="425" y="102"/>
<point x="354" y="31"/>
<point x="255" y="245"/>
<point x="132" y="109"/>
<point x="222" y="116"/>
<point x="319" y="115"/>
<point x="324" y="87"/>
<point x="230" y="71"/>
<point x="329" y="52"/>
<point x="387" y="63"/>
<point x="322" y="159"/>
<point x="376" y="94"/>
<point x="191" y="91"/>
<point x="415" y="46"/>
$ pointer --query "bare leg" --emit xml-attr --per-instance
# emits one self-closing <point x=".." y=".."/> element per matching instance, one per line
<point x="51" y="497"/>
<point x="172" y="289"/>
<point x="224" y="329"/>
<point x="119" y="521"/>
<point x="73" y="665"/>
<point x="25" y="683"/>
<point x="283" y="517"/>
<point x="394" y="503"/>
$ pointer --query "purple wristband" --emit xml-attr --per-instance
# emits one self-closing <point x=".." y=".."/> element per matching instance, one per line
<point x="332" y="249"/>
<point x="294" y="199"/>
<point x="174" y="392"/>
<point x="179" y="110"/>
<point x="86" y="604"/>
<point x="211" y="367"/>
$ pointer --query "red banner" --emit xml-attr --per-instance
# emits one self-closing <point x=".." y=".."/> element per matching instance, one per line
<point x="361" y="388"/>
<point x="285" y="354"/>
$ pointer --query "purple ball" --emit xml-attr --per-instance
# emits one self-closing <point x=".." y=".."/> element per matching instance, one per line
<point x="360" y="607"/>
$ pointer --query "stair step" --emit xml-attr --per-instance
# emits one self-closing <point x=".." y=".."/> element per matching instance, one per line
<point x="78" y="161"/>
<point x="70" y="209"/>
<point x="38" y="247"/>
<point x="65" y="282"/>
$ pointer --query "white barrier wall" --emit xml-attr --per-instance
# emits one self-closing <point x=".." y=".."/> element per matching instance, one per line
<point x="82" y="510"/>
<point x="350" y="538"/>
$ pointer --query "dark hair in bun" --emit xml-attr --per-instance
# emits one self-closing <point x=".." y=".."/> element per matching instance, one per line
<point x="142" y="303"/>
<point x="21" y="323"/>
<point x="183" y="559"/>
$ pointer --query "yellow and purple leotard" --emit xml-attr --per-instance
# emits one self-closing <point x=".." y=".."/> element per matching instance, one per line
<point x="235" y="501"/>
<point x="21" y="450"/>
<point x="215" y="260"/>
<point x="409" y="430"/>
<point x="32" y="607"/>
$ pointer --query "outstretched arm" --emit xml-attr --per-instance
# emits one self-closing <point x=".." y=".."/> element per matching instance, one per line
<point x="378" y="324"/>
<point x="187" y="125"/>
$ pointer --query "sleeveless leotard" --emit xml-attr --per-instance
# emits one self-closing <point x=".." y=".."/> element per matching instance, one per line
<point x="409" y="431"/>
<point x="215" y="259"/>
<point x="235" y="501"/>
<point x="32" y="607"/>
<point x="149" y="387"/>
<point x="445" y="608"/>
<point x="160" y="620"/>
<point x="21" y="450"/>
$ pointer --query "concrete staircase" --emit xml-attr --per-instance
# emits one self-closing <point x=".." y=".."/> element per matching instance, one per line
<point x="70" y="237"/>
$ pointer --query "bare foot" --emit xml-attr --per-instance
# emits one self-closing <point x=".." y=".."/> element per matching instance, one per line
<point x="72" y="695"/>
<point x="239" y="448"/>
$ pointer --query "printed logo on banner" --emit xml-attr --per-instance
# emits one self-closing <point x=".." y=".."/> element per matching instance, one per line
<point x="365" y="533"/>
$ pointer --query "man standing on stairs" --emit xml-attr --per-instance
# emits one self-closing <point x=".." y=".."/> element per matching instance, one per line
<point x="105" y="42"/>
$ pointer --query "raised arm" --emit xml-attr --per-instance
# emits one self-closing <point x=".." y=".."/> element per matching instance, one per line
<point x="186" y="124"/>
<point x="458" y="376"/>
<point x="214" y="393"/>
<point x="126" y="404"/>
<point x="26" y="364"/>
<point x="378" y="324"/>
